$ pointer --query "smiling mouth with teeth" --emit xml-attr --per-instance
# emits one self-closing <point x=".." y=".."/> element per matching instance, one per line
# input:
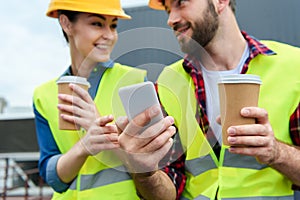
<point x="181" y="33"/>
<point x="102" y="46"/>
<point x="181" y="30"/>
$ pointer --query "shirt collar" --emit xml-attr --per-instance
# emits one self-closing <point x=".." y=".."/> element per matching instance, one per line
<point x="255" y="47"/>
<point x="108" y="64"/>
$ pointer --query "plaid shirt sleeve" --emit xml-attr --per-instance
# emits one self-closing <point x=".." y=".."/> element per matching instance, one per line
<point x="295" y="126"/>
<point x="295" y="132"/>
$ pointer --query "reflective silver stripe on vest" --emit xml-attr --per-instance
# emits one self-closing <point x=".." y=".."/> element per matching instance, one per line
<point x="296" y="194"/>
<point x="73" y="185"/>
<point x="246" y="198"/>
<point x="199" y="165"/>
<point x="262" y="198"/>
<point x="104" y="177"/>
<point x="241" y="161"/>
<point x="198" y="198"/>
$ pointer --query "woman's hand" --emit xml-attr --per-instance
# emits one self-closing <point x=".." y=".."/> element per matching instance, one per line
<point x="100" y="136"/>
<point x="82" y="109"/>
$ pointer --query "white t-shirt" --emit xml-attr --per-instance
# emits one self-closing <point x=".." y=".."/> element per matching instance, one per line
<point x="212" y="95"/>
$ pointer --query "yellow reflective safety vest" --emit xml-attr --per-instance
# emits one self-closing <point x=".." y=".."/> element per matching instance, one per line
<point x="102" y="176"/>
<point x="235" y="176"/>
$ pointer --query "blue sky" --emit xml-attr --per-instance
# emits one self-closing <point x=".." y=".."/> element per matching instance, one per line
<point x="32" y="49"/>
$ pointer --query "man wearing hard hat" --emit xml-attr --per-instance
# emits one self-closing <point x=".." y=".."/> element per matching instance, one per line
<point x="262" y="160"/>
<point x="77" y="164"/>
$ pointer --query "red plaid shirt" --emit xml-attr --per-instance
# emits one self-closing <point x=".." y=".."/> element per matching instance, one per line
<point x="191" y="65"/>
<point x="256" y="48"/>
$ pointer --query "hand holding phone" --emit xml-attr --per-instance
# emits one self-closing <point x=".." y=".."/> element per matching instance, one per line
<point x="139" y="97"/>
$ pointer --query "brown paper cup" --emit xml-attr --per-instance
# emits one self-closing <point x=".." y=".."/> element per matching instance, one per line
<point x="63" y="88"/>
<point x="236" y="92"/>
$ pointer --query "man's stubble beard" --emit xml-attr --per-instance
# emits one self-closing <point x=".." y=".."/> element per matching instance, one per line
<point x="203" y="31"/>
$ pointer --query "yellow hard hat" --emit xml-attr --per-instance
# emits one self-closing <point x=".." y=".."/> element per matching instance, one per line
<point x="156" y="4"/>
<point x="103" y="7"/>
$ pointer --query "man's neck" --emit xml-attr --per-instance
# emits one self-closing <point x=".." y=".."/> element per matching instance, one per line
<point x="228" y="45"/>
<point x="225" y="55"/>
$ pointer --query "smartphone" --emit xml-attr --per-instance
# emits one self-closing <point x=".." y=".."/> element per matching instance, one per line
<point x="137" y="98"/>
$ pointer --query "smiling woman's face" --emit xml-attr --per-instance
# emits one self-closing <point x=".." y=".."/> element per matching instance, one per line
<point x="92" y="36"/>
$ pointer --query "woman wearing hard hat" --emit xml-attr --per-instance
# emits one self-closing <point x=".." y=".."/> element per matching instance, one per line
<point x="73" y="162"/>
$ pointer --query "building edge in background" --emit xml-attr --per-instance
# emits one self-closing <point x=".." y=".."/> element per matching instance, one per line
<point x="19" y="155"/>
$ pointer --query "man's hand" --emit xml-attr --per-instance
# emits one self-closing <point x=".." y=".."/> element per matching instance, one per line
<point x="256" y="140"/>
<point x="142" y="151"/>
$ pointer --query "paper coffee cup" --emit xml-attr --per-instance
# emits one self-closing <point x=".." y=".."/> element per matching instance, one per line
<point x="63" y="88"/>
<point x="237" y="91"/>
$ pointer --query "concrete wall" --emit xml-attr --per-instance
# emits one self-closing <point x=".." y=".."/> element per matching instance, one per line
<point x="271" y="19"/>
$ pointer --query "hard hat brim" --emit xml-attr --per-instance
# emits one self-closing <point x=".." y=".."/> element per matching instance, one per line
<point x="54" y="14"/>
<point x="54" y="7"/>
<point x="156" y="5"/>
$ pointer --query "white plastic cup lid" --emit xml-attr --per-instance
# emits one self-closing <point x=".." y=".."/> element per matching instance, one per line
<point x="73" y="79"/>
<point x="240" y="78"/>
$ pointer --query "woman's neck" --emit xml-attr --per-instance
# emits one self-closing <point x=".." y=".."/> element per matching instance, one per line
<point x="82" y="70"/>
<point x="82" y="66"/>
